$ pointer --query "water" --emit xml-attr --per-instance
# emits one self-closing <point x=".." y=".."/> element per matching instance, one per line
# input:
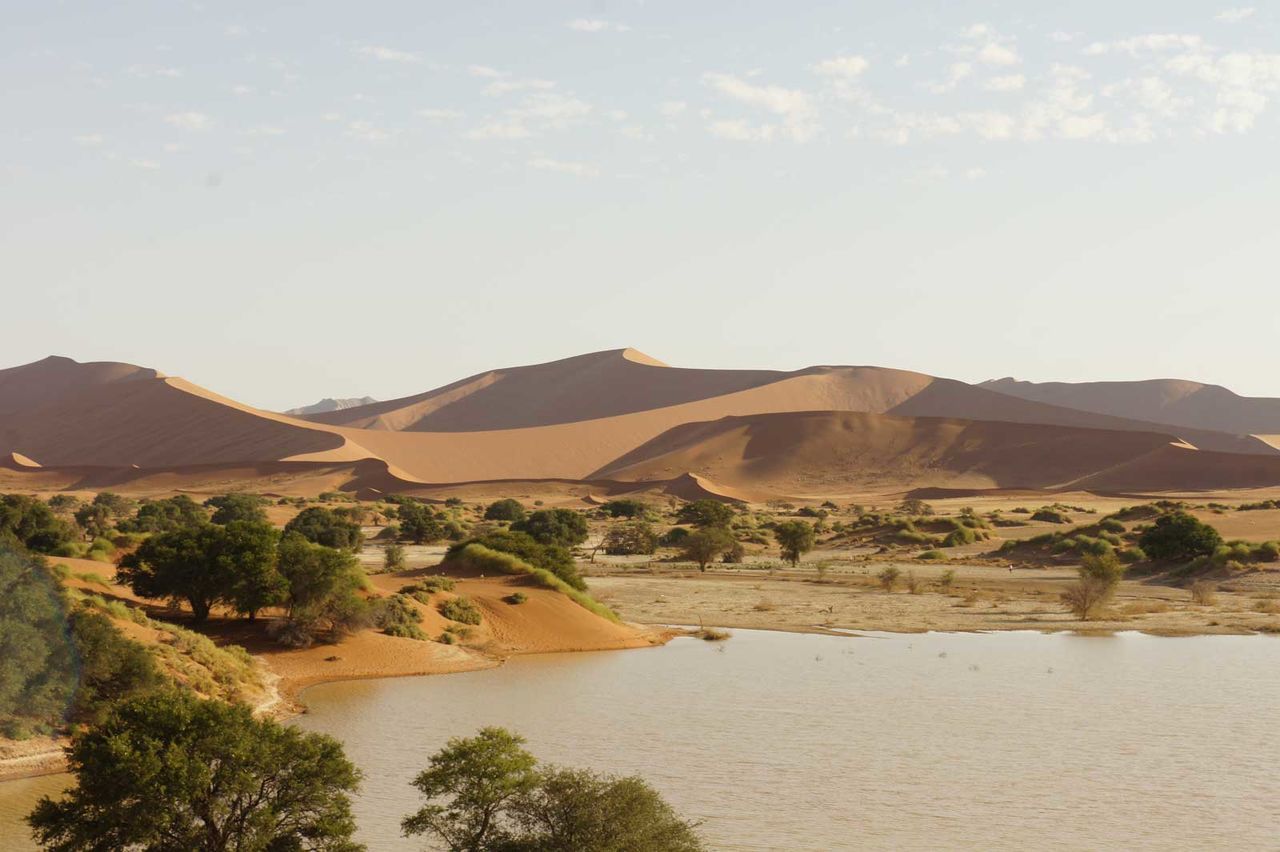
<point x="939" y="741"/>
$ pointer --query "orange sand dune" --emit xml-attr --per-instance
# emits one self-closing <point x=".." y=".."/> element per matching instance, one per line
<point x="111" y="425"/>
<point x="1180" y="469"/>
<point x="1173" y="401"/>
<point x="840" y="452"/>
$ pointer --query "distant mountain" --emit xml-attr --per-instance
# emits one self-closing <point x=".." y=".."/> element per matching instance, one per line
<point x="1173" y="402"/>
<point x="327" y="404"/>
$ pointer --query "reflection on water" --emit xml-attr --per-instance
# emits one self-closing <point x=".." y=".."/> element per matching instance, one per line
<point x="782" y="741"/>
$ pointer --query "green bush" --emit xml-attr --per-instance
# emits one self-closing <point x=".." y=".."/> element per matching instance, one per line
<point x="632" y="538"/>
<point x="1052" y="516"/>
<point x="516" y="598"/>
<point x="463" y="610"/>
<point x="1178" y="535"/>
<point x="507" y="509"/>
<point x="397" y="616"/>
<point x="477" y="557"/>
<point x="549" y="557"/>
<point x="932" y="555"/>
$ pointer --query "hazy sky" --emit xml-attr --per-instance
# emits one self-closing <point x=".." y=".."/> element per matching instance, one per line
<point x="282" y="201"/>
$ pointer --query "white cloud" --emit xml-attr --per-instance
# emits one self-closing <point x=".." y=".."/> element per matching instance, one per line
<point x="146" y="71"/>
<point x="388" y="54"/>
<point x="847" y="67"/>
<point x="998" y="54"/>
<point x="1007" y="83"/>
<point x="1150" y="43"/>
<point x="1242" y="85"/>
<point x="793" y="106"/>
<point x="502" y="130"/>
<point x="483" y="71"/>
<point x="554" y="109"/>
<point x="367" y="132"/>
<point x="957" y="72"/>
<point x="975" y="173"/>
<point x="148" y="165"/>
<point x="595" y="25"/>
<point x="189" y="120"/>
<point x="242" y="90"/>
<point x="740" y="131"/>
<point x="90" y="140"/>
<point x="1235" y="16"/>
<point x="265" y="130"/>
<point x="440" y="114"/>
<point x="1061" y="36"/>
<point x="671" y="109"/>
<point x="567" y="167"/>
<point x="503" y="87"/>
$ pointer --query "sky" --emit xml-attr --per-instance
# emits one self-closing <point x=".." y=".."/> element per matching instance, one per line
<point x="285" y="201"/>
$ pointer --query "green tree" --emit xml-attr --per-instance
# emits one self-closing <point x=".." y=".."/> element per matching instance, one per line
<point x="1100" y="576"/>
<point x="419" y="524"/>
<point x="247" y="554"/>
<point x="1179" y="535"/>
<point x="37" y="657"/>
<point x="33" y="524"/>
<point x="324" y="526"/>
<point x="158" y="516"/>
<point x="477" y="779"/>
<point x="705" y="513"/>
<point x="705" y="545"/>
<point x="237" y="507"/>
<point x="572" y="809"/>
<point x="506" y="509"/>
<point x="112" y="668"/>
<point x="633" y="537"/>
<point x="795" y="538"/>
<point x="322" y="597"/>
<point x="393" y="557"/>
<point x="94" y="518"/>
<point x="564" y="527"/>
<point x="172" y="772"/>
<point x="625" y="507"/>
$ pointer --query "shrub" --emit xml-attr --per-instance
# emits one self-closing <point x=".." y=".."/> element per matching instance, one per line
<point x="516" y="598"/>
<point x="326" y="527"/>
<point x="563" y="527"/>
<point x="703" y="546"/>
<point x="507" y="509"/>
<point x="888" y="577"/>
<point x="1099" y="577"/>
<point x="1204" y="593"/>
<point x="735" y="555"/>
<point x="1052" y="516"/>
<point x="393" y="557"/>
<point x="549" y="557"/>
<point x="418" y="523"/>
<point x="795" y="538"/>
<point x="1179" y="535"/>
<point x="913" y="584"/>
<point x="947" y="580"/>
<point x="625" y="508"/>
<point x="673" y="537"/>
<point x="932" y="555"/>
<point x="460" y="609"/>
<point x="33" y="524"/>
<point x="705" y="513"/>
<point x="397" y="616"/>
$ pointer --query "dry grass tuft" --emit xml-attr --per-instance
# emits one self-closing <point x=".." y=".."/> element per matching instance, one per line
<point x="1204" y="593"/>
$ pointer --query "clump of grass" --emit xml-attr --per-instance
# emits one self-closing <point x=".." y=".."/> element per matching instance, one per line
<point x="765" y="605"/>
<point x="1269" y="606"/>
<point x="712" y="634"/>
<point x="932" y="555"/>
<point x="396" y="616"/>
<point x="462" y="610"/>
<point x="1204" y="593"/>
<point x="914" y="586"/>
<point x="480" y="558"/>
<point x="947" y="580"/>
<point x="516" y="598"/>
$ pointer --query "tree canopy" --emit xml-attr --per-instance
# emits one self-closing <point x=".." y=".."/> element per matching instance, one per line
<point x="32" y="524"/>
<point x="169" y="771"/>
<point x="705" y="513"/>
<point x="324" y="526"/>
<point x="795" y="539"/>
<point x="564" y="527"/>
<point x="704" y="545"/>
<point x="237" y="507"/>
<point x="157" y="516"/>
<point x="506" y="509"/>
<point x="1179" y="535"/>
<point x="418" y="523"/>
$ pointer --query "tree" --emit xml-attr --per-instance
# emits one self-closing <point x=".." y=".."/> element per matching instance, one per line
<point x="324" y="526"/>
<point x="37" y="657"/>
<point x="419" y="524"/>
<point x="157" y="516"/>
<point x="506" y="509"/>
<point x="914" y="506"/>
<point x="112" y="668"/>
<point x="486" y="794"/>
<point x="172" y="772"/>
<point x="1179" y="535"/>
<point x="322" y="596"/>
<point x="1100" y="576"/>
<point x="633" y="537"/>
<point x="237" y="507"/>
<point x="573" y="809"/>
<point x="625" y="507"/>
<point x="94" y="518"/>
<point x="704" y="545"/>
<point x="564" y="527"/>
<point x="33" y="524"/>
<point x="478" y="778"/>
<point x="795" y="538"/>
<point x="705" y="513"/>
<point x="207" y="565"/>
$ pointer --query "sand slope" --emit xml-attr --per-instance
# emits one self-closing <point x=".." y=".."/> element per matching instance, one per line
<point x="841" y="452"/>
<point x="1173" y="401"/>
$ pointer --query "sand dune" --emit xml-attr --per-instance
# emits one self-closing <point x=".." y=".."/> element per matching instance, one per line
<point x="844" y="452"/>
<point x="605" y="416"/>
<point x="1173" y="401"/>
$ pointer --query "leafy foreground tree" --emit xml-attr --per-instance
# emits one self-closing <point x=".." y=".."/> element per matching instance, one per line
<point x="1179" y="535"/>
<point x="486" y="794"/>
<point x="171" y="772"/>
<point x="706" y="545"/>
